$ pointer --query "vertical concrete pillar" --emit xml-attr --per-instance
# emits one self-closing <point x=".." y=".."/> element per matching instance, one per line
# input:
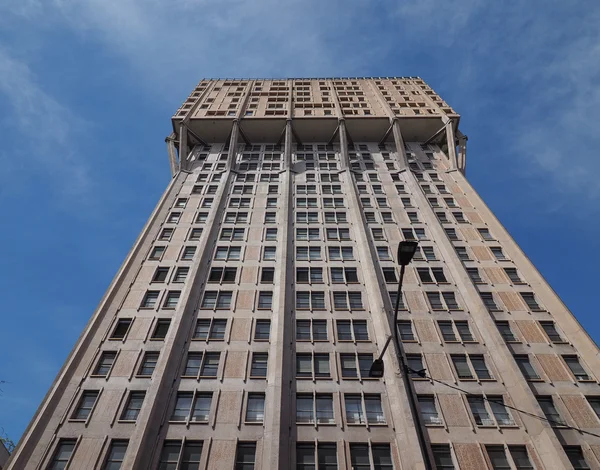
<point x="172" y="154"/>
<point x="183" y="146"/>
<point x="399" y="141"/>
<point x="451" y="141"/>
<point x="406" y="435"/>
<point x="233" y="141"/>
<point x="343" y="144"/>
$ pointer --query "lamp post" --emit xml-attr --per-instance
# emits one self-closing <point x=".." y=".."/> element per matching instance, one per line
<point x="406" y="251"/>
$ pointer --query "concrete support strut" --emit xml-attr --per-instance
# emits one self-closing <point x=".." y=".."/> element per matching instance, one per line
<point x="451" y="141"/>
<point x="173" y="163"/>
<point x="399" y="141"/>
<point x="183" y="146"/>
<point x="462" y="151"/>
<point x="233" y="141"/>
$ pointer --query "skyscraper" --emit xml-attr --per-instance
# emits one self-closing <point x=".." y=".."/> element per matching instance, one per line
<point x="240" y="330"/>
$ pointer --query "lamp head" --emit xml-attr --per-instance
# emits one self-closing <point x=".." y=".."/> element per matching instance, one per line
<point x="376" y="370"/>
<point x="406" y="251"/>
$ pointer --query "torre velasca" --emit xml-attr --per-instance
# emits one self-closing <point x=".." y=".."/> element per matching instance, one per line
<point x="240" y="331"/>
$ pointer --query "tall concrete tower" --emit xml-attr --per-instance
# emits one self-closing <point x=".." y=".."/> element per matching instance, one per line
<point x="240" y="330"/>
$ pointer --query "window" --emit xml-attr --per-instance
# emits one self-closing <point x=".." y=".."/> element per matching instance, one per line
<point x="207" y="329"/>
<point x="413" y="217"/>
<point x="576" y="457"/>
<point x="356" y="365"/>
<point x="172" y="299"/>
<point x="265" y="300"/>
<point x="222" y="274"/>
<point x="550" y="411"/>
<point x="380" y="455"/>
<point x="62" y="454"/>
<point x="464" y="331"/>
<point x="378" y="234"/>
<point x="335" y="217"/>
<point x="439" y="300"/>
<point x="576" y="368"/>
<point x="258" y="367"/>
<point x="498" y="253"/>
<point x="447" y="331"/>
<point x="308" y="253"/>
<point x="442" y="457"/>
<point x="230" y="234"/>
<point x="505" y="331"/>
<point x="160" y="275"/>
<point x="216" y="299"/>
<point x="338" y="234"/>
<point x="161" y="329"/>
<point x="309" y="275"/>
<point x="451" y="233"/>
<point x="269" y="253"/>
<point x="188" y="253"/>
<point x="462" y="253"/>
<point x="271" y="234"/>
<point x="270" y="217"/>
<point x="513" y="275"/>
<point x="414" y="234"/>
<point x="181" y="274"/>
<point x="383" y="253"/>
<point x="210" y="364"/>
<point x="307" y="217"/>
<point x="133" y="406"/>
<point x="352" y="330"/>
<point x="326" y="456"/>
<point x="166" y="234"/>
<point x="520" y="457"/>
<point x="236" y="218"/>
<point x="405" y="330"/>
<point x="195" y="234"/>
<point x="500" y="412"/>
<point x="432" y="275"/>
<point x="497" y="457"/>
<point x="312" y="365"/>
<point x="488" y="300"/>
<point x="475" y="276"/>
<point x="121" y="328"/>
<point x="150" y="298"/>
<point x="305" y="234"/>
<point x="201" y="218"/>
<point x="337" y="253"/>
<point x="485" y="234"/>
<point x="192" y="406"/>
<point x="347" y="300"/>
<point x="479" y="411"/>
<point x="174" y="217"/>
<point x="255" y="408"/>
<point x="343" y="275"/>
<point x="105" y="363"/>
<point x="85" y="405"/>
<point x="320" y="405"/>
<point x="148" y="364"/>
<point x="172" y="453"/>
<point x="442" y="217"/>
<point x="429" y="411"/>
<point x="526" y="367"/>
<point x="262" y="330"/>
<point x="476" y="369"/>
<point x="115" y="455"/>
<point x="429" y="253"/>
<point x="311" y="330"/>
<point x="529" y="299"/>
<point x="310" y="300"/>
<point x="267" y="275"/>
<point x="595" y="404"/>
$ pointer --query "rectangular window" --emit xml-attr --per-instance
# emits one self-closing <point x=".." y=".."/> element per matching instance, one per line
<point x="462" y="253"/>
<point x="258" y="367"/>
<point x="475" y="276"/>
<point x="529" y="298"/>
<point x="85" y="405"/>
<point x="442" y="456"/>
<point x="526" y="367"/>
<point x="405" y="330"/>
<point x="217" y="299"/>
<point x="265" y="300"/>
<point x="447" y="331"/>
<point x="262" y="330"/>
<point x="271" y="234"/>
<point x="267" y="275"/>
<point x="115" y="455"/>
<point x="498" y="253"/>
<point x="550" y="411"/>
<point x="255" y="408"/>
<point x="451" y="233"/>
<point x="488" y="300"/>
<point x="485" y="234"/>
<point x="464" y="331"/>
<point x="172" y="299"/>
<point x="105" y="363"/>
<point x="161" y="329"/>
<point x="505" y="331"/>
<point x="133" y="406"/>
<point x="160" y="275"/>
<point x="575" y="455"/>
<point x="520" y="457"/>
<point x="166" y="234"/>
<point x="148" y="364"/>
<point x="195" y="234"/>
<point x="513" y="275"/>
<point x="210" y="364"/>
<point x="62" y="454"/>
<point x="188" y="253"/>
<point x="183" y="403"/>
<point x="429" y="412"/>
<point x="497" y="457"/>
<point x="576" y="368"/>
<point x="150" y="299"/>
<point x="500" y="412"/>
<point x="269" y="253"/>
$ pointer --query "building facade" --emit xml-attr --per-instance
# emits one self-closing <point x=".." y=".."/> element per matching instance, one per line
<point x="239" y="332"/>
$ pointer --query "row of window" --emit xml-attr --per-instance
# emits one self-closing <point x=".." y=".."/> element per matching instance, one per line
<point x="178" y="455"/>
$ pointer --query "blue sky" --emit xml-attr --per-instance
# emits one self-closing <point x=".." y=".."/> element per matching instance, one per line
<point x="87" y="89"/>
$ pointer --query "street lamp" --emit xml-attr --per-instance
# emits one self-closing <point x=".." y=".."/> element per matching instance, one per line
<point x="406" y="251"/>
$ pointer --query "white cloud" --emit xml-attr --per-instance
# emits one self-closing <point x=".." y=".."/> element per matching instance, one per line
<point x="43" y="132"/>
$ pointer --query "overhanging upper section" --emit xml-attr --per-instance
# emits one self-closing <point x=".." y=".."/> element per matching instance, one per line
<point x="315" y="105"/>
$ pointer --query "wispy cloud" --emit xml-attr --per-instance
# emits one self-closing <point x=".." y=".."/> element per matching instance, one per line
<point x="43" y="133"/>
